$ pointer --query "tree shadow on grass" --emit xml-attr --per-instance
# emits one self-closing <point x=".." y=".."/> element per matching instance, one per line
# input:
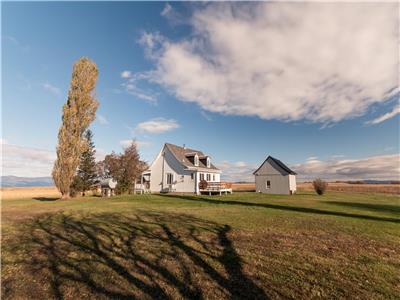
<point x="114" y="256"/>
<point x="385" y="208"/>
<point x="46" y="198"/>
<point x="282" y="207"/>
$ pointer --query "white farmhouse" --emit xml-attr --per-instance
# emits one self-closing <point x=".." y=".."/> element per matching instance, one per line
<point x="180" y="169"/>
<point x="274" y="177"/>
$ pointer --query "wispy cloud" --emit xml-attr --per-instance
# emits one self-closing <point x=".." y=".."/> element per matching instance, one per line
<point x="126" y="74"/>
<point x="26" y="161"/>
<point x="383" y="167"/>
<point x="173" y="16"/>
<point x="206" y="115"/>
<point x="157" y="125"/>
<point x="100" y="154"/>
<point x="236" y="171"/>
<point x="132" y="86"/>
<point x="387" y="116"/>
<point x="295" y="61"/>
<point x="17" y="43"/>
<point x="167" y="9"/>
<point x="102" y="119"/>
<point x="139" y="144"/>
<point x="51" y="88"/>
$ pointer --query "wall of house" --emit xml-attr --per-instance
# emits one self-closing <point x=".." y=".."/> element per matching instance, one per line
<point x="214" y="177"/>
<point x="183" y="181"/>
<point x="167" y="163"/>
<point x="279" y="184"/>
<point x="292" y="182"/>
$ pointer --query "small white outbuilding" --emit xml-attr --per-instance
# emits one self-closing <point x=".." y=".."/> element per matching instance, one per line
<point x="274" y="177"/>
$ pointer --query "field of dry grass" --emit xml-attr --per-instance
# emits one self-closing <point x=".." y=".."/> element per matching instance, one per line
<point x="358" y="188"/>
<point x="29" y="192"/>
<point x="332" y="186"/>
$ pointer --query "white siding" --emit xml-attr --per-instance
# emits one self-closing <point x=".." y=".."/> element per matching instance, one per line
<point x="281" y="182"/>
<point x="292" y="183"/>
<point x="167" y="163"/>
<point x="278" y="184"/>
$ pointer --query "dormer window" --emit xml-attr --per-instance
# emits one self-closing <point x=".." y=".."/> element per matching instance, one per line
<point x="208" y="162"/>
<point x="196" y="160"/>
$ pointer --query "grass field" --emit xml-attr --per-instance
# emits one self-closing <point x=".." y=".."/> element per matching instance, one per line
<point x="245" y="245"/>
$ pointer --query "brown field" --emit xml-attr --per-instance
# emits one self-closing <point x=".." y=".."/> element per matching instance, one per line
<point x="332" y="186"/>
<point x="358" y="188"/>
<point x="29" y="192"/>
<point x="32" y="192"/>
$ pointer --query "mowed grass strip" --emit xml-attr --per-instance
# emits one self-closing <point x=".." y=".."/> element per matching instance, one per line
<point x="240" y="246"/>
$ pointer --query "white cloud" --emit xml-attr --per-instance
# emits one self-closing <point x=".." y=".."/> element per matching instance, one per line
<point x="52" y="89"/>
<point x="236" y="171"/>
<point x="132" y="86"/>
<point x="26" y="161"/>
<point x="100" y="154"/>
<point x="167" y="9"/>
<point x="139" y="144"/>
<point x="205" y="115"/>
<point x="387" y="116"/>
<point x="383" y="167"/>
<point x="323" y="62"/>
<point x="125" y="74"/>
<point x="102" y="120"/>
<point x="157" y="125"/>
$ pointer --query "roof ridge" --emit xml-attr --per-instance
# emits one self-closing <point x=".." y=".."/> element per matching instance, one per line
<point x="279" y="163"/>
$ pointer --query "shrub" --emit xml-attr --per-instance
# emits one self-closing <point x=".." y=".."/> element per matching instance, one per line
<point x="320" y="186"/>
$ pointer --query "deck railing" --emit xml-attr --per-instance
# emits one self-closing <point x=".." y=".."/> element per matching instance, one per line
<point x="214" y="186"/>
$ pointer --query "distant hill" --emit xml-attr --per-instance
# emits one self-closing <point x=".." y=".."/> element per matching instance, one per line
<point x="15" y="181"/>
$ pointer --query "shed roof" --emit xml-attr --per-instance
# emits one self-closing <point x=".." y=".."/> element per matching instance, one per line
<point x="279" y="163"/>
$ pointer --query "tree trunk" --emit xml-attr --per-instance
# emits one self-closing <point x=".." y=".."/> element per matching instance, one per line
<point x="65" y="196"/>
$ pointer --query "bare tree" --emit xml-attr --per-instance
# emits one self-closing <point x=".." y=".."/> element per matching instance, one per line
<point x="78" y="112"/>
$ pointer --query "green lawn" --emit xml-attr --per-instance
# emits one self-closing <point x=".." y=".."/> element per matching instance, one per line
<point x="245" y="245"/>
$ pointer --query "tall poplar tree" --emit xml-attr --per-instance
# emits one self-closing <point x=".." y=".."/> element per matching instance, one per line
<point x="78" y="112"/>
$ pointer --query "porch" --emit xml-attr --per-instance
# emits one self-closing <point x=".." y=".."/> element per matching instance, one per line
<point x="215" y="188"/>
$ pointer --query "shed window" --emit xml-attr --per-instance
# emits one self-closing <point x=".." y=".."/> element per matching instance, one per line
<point x="170" y="178"/>
<point x="268" y="185"/>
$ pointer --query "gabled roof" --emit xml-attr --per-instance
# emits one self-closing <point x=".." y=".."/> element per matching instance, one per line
<point x="279" y="163"/>
<point x="180" y="154"/>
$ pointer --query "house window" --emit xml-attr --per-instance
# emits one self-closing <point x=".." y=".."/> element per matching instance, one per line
<point x="192" y="176"/>
<point x="268" y="185"/>
<point x="196" y="160"/>
<point x="213" y="177"/>
<point x="208" y="177"/>
<point x="208" y="162"/>
<point x="170" y="178"/>
<point x="201" y="176"/>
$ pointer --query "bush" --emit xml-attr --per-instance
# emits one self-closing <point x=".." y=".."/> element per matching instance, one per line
<point x="320" y="186"/>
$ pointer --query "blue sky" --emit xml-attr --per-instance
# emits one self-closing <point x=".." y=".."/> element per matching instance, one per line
<point x="190" y="73"/>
